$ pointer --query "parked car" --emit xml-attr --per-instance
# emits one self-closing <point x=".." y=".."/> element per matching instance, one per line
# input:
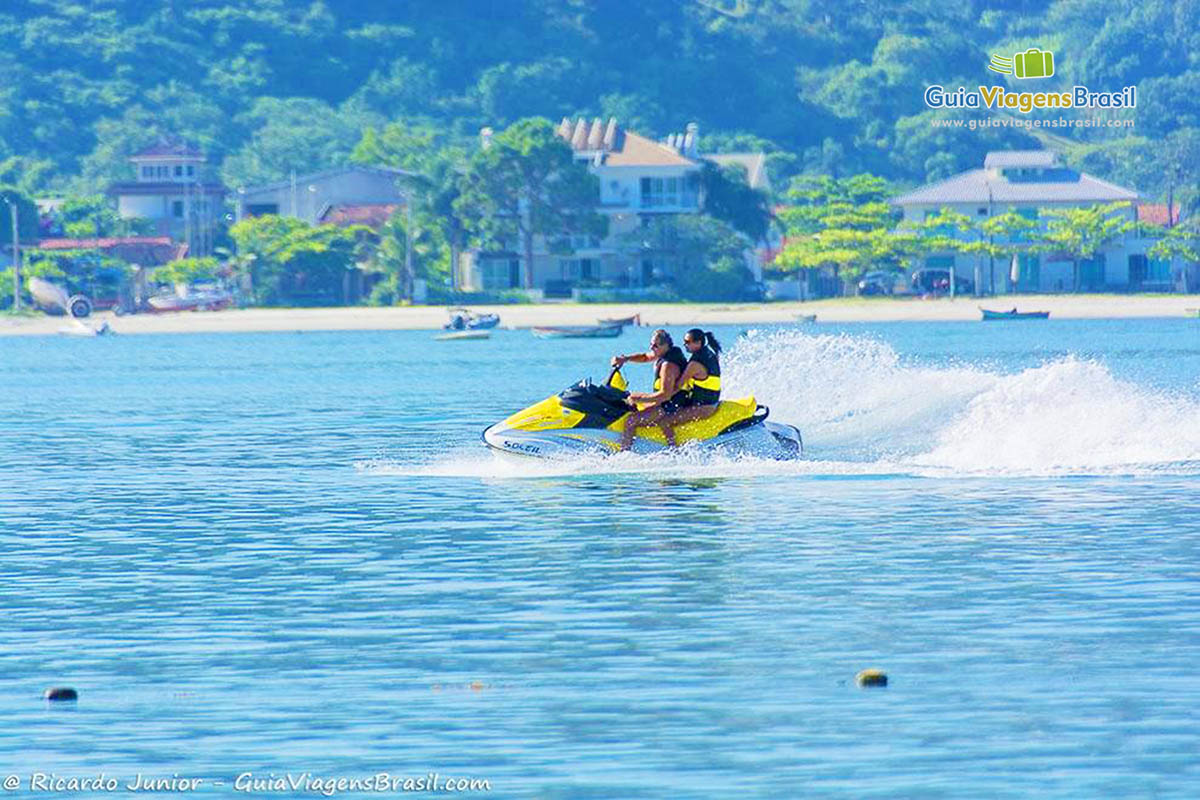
<point x="877" y="282"/>
<point x="937" y="281"/>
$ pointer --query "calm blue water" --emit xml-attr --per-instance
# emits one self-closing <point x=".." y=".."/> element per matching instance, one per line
<point x="289" y="553"/>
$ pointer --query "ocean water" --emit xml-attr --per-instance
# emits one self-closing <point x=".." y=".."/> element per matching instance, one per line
<point x="290" y="557"/>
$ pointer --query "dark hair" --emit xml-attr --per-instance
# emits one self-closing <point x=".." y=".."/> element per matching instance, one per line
<point x="662" y="337"/>
<point x="705" y="338"/>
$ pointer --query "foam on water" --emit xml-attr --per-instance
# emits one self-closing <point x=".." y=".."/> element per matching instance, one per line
<point x="864" y="411"/>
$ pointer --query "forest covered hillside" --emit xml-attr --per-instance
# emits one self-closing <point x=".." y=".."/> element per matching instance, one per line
<point x="276" y="85"/>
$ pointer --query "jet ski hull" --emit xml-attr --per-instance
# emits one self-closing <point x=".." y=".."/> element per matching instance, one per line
<point x="762" y="440"/>
<point x="588" y="419"/>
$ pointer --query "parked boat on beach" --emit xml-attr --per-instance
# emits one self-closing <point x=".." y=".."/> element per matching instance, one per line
<point x="988" y="314"/>
<point x="578" y="332"/>
<point x="636" y="319"/>
<point x="463" y="320"/>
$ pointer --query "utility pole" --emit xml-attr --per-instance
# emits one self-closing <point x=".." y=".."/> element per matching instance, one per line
<point x="16" y="244"/>
<point x="408" y="249"/>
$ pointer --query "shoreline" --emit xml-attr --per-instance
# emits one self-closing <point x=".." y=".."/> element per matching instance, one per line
<point x="431" y="318"/>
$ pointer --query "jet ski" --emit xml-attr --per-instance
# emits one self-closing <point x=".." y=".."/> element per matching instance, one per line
<point x="587" y="418"/>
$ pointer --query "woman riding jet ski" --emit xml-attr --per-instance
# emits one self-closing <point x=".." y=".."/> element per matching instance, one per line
<point x="587" y="418"/>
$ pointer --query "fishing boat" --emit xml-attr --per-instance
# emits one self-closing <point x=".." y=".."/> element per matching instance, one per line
<point x="579" y="332"/>
<point x="462" y="336"/>
<point x="988" y="314"/>
<point x="636" y="319"/>
<point x="806" y="317"/>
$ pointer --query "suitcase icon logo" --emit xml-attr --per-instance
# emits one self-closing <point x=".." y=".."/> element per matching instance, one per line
<point x="1033" y="63"/>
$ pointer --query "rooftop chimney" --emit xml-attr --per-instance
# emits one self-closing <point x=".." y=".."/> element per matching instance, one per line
<point x="691" y="141"/>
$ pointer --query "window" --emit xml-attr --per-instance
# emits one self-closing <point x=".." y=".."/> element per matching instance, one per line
<point x="161" y="172"/>
<point x="147" y="172"/>
<point x="499" y="273"/>
<point x="982" y="211"/>
<point x="177" y="209"/>
<point x="178" y="171"/>
<point x="576" y="269"/>
<point x="191" y="170"/>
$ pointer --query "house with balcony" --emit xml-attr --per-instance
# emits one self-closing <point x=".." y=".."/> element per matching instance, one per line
<point x="172" y="189"/>
<point x="1030" y="182"/>
<point x="640" y="179"/>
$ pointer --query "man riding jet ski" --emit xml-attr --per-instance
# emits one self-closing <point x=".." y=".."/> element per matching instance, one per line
<point x="589" y="418"/>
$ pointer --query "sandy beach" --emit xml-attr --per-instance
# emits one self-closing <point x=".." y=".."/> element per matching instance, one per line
<point x="652" y="314"/>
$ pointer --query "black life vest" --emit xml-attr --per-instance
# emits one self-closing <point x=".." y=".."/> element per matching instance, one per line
<point x="705" y="392"/>
<point x="675" y="356"/>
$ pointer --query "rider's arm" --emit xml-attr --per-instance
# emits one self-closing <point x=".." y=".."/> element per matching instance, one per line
<point x="670" y="382"/>
<point x="695" y="371"/>
<point x="637" y="358"/>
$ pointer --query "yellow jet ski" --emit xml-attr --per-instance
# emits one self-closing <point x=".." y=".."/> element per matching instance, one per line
<point x="588" y="418"/>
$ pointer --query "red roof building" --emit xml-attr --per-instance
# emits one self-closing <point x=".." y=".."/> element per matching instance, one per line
<point x="142" y="251"/>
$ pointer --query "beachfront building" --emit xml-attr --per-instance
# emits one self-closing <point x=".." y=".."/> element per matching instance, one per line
<point x="333" y="195"/>
<point x="172" y="189"/>
<point x="1029" y="182"/>
<point x="640" y="179"/>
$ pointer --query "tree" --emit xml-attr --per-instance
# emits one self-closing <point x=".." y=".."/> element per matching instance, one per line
<point x="430" y="257"/>
<point x="1004" y="236"/>
<point x="1081" y="232"/>
<point x="526" y="183"/>
<point x="706" y="255"/>
<point x="843" y="224"/>
<point x="187" y="271"/>
<point x="435" y="165"/>
<point x="292" y="262"/>
<point x="729" y="198"/>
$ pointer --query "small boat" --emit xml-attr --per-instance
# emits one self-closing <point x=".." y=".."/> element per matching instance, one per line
<point x="463" y="320"/>
<point x="462" y="336"/>
<point x="195" y="300"/>
<point x="1013" y="314"/>
<point x="806" y="317"/>
<point x="636" y="319"/>
<point x="579" y="332"/>
<point x="1191" y="312"/>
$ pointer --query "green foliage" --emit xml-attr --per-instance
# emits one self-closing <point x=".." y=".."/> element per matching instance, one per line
<point x="88" y="272"/>
<point x="1082" y="232"/>
<point x="729" y="198"/>
<point x="269" y="87"/>
<point x="187" y="271"/>
<point x="526" y="183"/>
<point x="286" y="261"/>
<point x="94" y="216"/>
<point x="1182" y="241"/>
<point x="842" y="224"/>
<point x="706" y="255"/>
<point x="27" y="216"/>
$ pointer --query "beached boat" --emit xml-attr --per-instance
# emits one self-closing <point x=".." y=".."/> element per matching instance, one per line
<point x="463" y="320"/>
<point x="636" y="319"/>
<point x="806" y="317"/>
<point x="462" y="336"/>
<point x="1013" y="314"/>
<point x="579" y="332"/>
<point x="195" y="300"/>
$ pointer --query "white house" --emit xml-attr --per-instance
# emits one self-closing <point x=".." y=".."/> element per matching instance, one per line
<point x="1029" y="182"/>
<point x="640" y="179"/>
<point x="171" y="189"/>
<point x="319" y="195"/>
